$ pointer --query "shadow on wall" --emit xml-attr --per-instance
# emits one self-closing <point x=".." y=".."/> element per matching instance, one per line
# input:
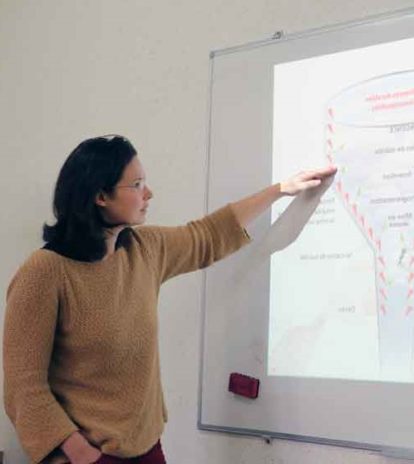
<point x="283" y="232"/>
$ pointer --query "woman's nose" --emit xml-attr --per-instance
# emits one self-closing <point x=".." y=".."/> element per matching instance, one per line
<point x="149" y="193"/>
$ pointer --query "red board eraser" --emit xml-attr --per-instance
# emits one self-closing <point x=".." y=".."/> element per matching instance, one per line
<point x="244" y="385"/>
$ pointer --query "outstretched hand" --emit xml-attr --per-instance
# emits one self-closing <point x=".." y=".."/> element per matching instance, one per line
<point x="306" y="180"/>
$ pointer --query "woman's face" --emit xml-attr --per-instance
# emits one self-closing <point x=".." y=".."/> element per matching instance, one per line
<point x="130" y="199"/>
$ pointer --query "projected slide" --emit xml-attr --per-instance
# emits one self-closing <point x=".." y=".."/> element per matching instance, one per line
<point x="342" y="295"/>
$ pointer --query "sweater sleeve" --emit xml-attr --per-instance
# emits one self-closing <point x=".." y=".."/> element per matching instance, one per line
<point x="29" y="327"/>
<point x="195" y="245"/>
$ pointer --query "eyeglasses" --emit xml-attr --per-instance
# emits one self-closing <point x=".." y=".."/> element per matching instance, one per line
<point x="138" y="185"/>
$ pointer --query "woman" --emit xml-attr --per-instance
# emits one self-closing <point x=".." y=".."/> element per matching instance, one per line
<point x="80" y="348"/>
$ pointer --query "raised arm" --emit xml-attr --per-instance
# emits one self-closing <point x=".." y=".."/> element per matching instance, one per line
<point x="200" y="243"/>
<point x="180" y="249"/>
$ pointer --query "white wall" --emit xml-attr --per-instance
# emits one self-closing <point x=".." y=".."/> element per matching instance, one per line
<point x="78" y="68"/>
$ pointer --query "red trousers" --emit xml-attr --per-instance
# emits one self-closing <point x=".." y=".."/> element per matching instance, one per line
<point x="153" y="456"/>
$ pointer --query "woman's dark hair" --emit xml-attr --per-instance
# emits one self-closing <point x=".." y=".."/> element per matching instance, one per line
<point x="95" y="165"/>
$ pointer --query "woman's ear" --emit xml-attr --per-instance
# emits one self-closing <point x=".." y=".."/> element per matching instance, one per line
<point x="100" y="199"/>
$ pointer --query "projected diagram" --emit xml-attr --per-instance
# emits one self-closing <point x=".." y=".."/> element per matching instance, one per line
<point x="370" y="138"/>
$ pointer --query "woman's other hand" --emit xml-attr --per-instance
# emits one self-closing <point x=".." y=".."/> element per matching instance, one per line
<point x="79" y="450"/>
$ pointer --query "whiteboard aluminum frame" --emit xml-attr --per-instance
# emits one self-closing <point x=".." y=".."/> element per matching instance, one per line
<point x="279" y="37"/>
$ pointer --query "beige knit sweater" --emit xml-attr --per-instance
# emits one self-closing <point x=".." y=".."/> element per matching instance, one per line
<point x="80" y="347"/>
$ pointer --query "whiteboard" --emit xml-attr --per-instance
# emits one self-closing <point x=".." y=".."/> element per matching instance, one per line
<point x="248" y="149"/>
